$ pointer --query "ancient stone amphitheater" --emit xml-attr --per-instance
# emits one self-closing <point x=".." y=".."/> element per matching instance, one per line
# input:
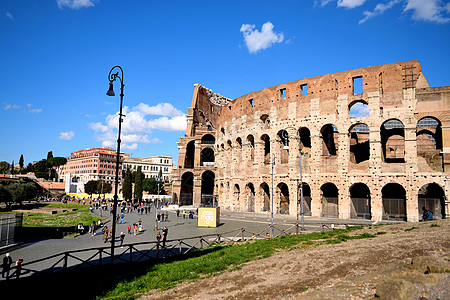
<point x="371" y="143"/>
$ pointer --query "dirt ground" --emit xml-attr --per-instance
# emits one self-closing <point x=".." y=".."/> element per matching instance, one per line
<point x="391" y="265"/>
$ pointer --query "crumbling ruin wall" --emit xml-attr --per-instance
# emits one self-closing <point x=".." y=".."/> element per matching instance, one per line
<point x="196" y="170"/>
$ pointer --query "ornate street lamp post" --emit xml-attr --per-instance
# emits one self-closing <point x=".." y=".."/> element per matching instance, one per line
<point x="286" y="136"/>
<point x="112" y="77"/>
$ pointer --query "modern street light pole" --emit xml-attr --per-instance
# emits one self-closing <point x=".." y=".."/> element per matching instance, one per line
<point x="271" y="224"/>
<point x="286" y="146"/>
<point x="112" y="77"/>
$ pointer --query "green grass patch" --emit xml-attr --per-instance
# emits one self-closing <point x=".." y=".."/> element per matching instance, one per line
<point x="381" y="232"/>
<point x="220" y="258"/>
<point x="61" y="219"/>
<point x="434" y="225"/>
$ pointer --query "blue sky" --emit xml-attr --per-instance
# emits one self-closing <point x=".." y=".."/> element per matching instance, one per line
<point x="56" y="55"/>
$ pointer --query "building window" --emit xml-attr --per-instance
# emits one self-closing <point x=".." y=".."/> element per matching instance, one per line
<point x="304" y="89"/>
<point x="357" y="85"/>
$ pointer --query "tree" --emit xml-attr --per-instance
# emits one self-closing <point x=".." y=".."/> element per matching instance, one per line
<point x="22" y="191"/>
<point x="58" y="161"/>
<point x="4" y="166"/>
<point x="127" y="186"/>
<point x="104" y="187"/>
<point x="138" y="185"/>
<point x="150" y="185"/>
<point x="21" y="161"/>
<point x="49" y="155"/>
<point x="29" y="167"/>
<point x="91" y="187"/>
<point x="5" y="196"/>
<point x="12" y="168"/>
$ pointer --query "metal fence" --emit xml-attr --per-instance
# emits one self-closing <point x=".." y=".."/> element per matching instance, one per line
<point x="394" y="209"/>
<point x="8" y="228"/>
<point x="330" y="207"/>
<point x="76" y="259"/>
<point x="433" y="204"/>
<point x="360" y="208"/>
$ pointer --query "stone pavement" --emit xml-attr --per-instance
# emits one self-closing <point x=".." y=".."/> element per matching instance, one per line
<point x="178" y="227"/>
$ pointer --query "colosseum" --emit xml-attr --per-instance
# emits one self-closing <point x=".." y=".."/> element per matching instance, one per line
<point x="371" y="143"/>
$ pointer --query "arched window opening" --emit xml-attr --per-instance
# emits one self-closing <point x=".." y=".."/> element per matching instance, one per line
<point x="229" y="150"/>
<point x="265" y="120"/>
<point x="360" y="201"/>
<point x="330" y="194"/>
<point x="238" y="147"/>
<point x="250" y="195"/>
<point x="266" y="140"/>
<point x="236" y="195"/>
<point x="429" y="142"/>
<point x="393" y="141"/>
<point x="187" y="189"/>
<point x="432" y="196"/>
<point x="208" y="199"/>
<point x="305" y="139"/>
<point x="306" y="199"/>
<point x="359" y="143"/>
<point x="265" y="193"/>
<point x="190" y="153"/>
<point x="358" y="109"/>
<point x="283" y="192"/>
<point x="207" y="157"/>
<point x="394" y="202"/>
<point x="208" y="139"/>
<point x="283" y="141"/>
<point x="251" y="143"/>
<point x="329" y="135"/>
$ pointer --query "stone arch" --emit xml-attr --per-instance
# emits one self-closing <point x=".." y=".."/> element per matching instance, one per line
<point x="358" y="108"/>
<point x="305" y="138"/>
<point x="360" y="201"/>
<point x="238" y="147"/>
<point x="330" y="204"/>
<point x="359" y="143"/>
<point x="392" y="134"/>
<point x="265" y="120"/>
<point x="250" y="197"/>
<point x="329" y="136"/>
<point x="190" y="155"/>
<point x="236" y="195"/>
<point x="207" y="157"/>
<point x="187" y="189"/>
<point x="432" y="196"/>
<point x="283" y="192"/>
<point x="251" y="143"/>
<point x="264" y="191"/>
<point x="282" y="142"/>
<point x="207" y="198"/>
<point x="429" y="142"/>
<point x="266" y="144"/>
<point x="394" y="202"/>
<point x="306" y="199"/>
<point x="208" y="139"/>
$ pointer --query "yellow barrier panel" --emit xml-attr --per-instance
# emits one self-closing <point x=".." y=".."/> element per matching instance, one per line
<point x="208" y="217"/>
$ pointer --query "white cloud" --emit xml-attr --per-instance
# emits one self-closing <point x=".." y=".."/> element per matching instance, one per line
<point x="259" y="40"/>
<point x="350" y="3"/>
<point x="156" y="141"/>
<point x="379" y="9"/>
<point x="9" y="15"/>
<point x="67" y="135"/>
<point x="33" y="110"/>
<point x="321" y="2"/>
<point x="359" y="110"/>
<point x="428" y="10"/>
<point x="137" y="125"/>
<point x="75" y="4"/>
<point x="7" y="106"/>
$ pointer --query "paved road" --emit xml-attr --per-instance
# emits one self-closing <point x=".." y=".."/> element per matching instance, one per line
<point x="178" y="227"/>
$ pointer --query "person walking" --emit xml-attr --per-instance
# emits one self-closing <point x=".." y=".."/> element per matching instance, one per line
<point x="93" y="228"/>
<point x="164" y="235"/>
<point x="129" y="229"/>
<point x="105" y="234"/>
<point x="184" y="214"/>
<point x="19" y="267"/>
<point x="122" y="216"/>
<point x="178" y="213"/>
<point x="122" y="237"/>
<point x="167" y="216"/>
<point x="6" y="265"/>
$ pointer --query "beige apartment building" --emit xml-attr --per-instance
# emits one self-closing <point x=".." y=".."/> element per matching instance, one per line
<point x="371" y="143"/>
<point x="151" y="166"/>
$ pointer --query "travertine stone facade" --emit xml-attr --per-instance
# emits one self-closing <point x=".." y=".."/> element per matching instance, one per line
<point x="375" y="143"/>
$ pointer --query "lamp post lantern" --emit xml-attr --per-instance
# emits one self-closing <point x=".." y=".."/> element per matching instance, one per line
<point x="286" y="146"/>
<point x="113" y="77"/>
